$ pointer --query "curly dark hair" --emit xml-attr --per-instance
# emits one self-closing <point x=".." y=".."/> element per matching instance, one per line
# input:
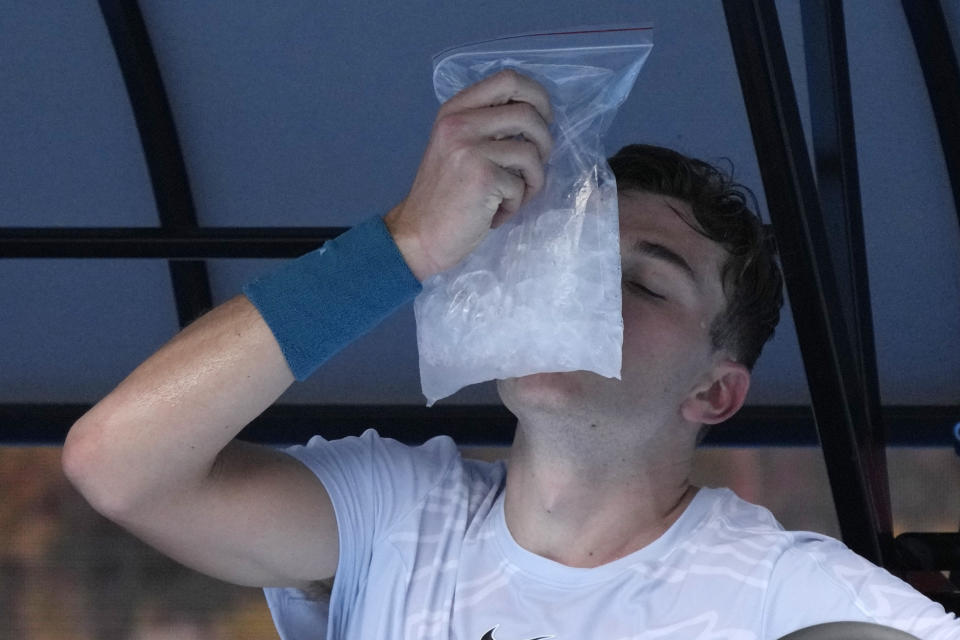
<point x="752" y="280"/>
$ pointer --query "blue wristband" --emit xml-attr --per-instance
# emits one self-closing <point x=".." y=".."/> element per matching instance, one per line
<point x="324" y="300"/>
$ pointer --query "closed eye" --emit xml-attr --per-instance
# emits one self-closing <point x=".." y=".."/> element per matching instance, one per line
<point x="646" y="291"/>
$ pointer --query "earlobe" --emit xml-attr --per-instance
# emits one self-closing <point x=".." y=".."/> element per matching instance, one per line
<point x="720" y="397"/>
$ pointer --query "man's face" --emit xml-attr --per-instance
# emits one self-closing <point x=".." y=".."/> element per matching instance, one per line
<point x="671" y="294"/>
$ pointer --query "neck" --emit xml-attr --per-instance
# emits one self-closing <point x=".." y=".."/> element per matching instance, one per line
<point x="585" y="506"/>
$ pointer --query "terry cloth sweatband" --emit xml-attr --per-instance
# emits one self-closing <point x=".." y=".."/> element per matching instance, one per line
<point x="324" y="300"/>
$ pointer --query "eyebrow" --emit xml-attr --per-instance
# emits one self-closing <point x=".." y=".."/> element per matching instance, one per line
<point x="660" y="252"/>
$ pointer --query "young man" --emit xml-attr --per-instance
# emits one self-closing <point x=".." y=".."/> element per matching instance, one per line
<point x="595" y="531"/>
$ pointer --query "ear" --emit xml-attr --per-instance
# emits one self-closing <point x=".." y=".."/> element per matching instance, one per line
<point x="720" y="396"/>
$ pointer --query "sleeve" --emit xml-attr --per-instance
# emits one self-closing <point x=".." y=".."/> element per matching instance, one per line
<point x="372" y="482"/>
<point x="819" y="579"/>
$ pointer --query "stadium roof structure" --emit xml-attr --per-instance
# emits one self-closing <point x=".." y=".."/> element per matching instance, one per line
<point x="156" y="156"/>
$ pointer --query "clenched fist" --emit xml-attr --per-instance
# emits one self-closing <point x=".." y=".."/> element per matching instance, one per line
<point x="485" y="159"/>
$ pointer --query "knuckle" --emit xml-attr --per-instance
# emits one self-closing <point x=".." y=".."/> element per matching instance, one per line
<point x="526" y="112"/>
<point x="514" y="83"/>
<point x="472" y="167"/>
<point x="530" y="153"/>
<point x="486" y="176"/>
<point x="540" y="182"/>
<point x="516" y="181"/>
<point x="532" y="182"/>
<point x="450" y="125"/>
<point x="511" y="76"/>
<point x="463" y="158"/>
<point x="535" y="153"/>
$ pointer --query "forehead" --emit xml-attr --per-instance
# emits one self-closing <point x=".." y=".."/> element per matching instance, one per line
<point x="666" y="221"/>
<point x="642" y="209"/>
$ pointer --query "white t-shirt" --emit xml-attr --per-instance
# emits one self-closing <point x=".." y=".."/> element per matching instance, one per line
<point x="425" y="554"/>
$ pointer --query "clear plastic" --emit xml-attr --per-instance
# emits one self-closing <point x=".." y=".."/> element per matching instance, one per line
<point x="542" y="292"/>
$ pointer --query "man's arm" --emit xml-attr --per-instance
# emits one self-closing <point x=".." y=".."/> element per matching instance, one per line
<point x="158" y="454"/>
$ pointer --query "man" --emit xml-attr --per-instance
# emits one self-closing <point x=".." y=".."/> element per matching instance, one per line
<point x="595" y="532"/>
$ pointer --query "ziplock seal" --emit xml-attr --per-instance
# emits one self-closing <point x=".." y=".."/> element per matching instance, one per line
<point x="535" y="34"/>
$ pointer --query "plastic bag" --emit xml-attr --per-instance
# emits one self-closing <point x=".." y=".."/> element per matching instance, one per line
<point x="542" y="292"/>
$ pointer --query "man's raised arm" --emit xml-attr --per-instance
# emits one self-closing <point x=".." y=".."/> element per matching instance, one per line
<point x="158" y="454"/>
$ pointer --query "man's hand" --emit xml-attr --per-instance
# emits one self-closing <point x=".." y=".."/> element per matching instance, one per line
<point x="485" y="159"/>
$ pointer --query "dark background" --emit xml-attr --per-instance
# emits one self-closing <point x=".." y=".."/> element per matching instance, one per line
<point x="317" y="114"/>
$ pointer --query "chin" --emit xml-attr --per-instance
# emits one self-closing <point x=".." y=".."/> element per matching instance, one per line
<point x="560" y="383"/>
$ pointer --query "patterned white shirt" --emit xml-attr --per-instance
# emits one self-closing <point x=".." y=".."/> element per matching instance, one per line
<point x="425" y="554"/>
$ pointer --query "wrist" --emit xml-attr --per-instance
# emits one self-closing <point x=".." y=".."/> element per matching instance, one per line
<point x="323" y="300"/>
<point x="409" y="245"/>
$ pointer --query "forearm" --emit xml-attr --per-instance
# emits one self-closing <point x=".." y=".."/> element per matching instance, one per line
<point x="164" y="425"/>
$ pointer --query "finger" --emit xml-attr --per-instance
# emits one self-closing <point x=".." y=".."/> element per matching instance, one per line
<point x="510" y="188"/>
<point x="501" y="88"/>
<point x="519" y="157"/>
<point x="500" y="217"/>
<point x="508" y="121"/>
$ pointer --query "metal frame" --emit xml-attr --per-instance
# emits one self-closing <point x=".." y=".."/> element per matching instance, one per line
<point x="161" y="147"/>
<point x="811" y="280"/>
<point x="838" y="184"/>
<point x="921" y="559"/>
<point x="939" y="63"/>
<point x="171" y="244"/>
<point x="819" y="232"/>
<point x="482" y="425"/>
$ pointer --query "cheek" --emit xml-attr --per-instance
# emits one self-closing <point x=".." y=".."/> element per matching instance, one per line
<point x="654" y="337"/>
<point x="648" y="332"/>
